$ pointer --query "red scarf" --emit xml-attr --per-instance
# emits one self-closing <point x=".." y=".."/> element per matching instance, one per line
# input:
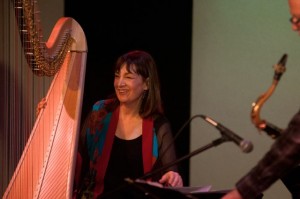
<point x="147" y="143"/>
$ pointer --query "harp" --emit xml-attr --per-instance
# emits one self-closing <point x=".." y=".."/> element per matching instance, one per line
<point x="46" y="165"/>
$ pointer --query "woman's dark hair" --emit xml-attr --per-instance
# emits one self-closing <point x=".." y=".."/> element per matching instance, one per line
<point x="143" y="64"/>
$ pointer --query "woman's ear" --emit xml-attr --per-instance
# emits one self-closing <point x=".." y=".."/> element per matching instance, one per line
<point x="146" y="85"/>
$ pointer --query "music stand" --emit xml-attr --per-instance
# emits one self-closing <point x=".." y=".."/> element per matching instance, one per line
<point x="150" y="191"/>
<point x="155" y="192"/>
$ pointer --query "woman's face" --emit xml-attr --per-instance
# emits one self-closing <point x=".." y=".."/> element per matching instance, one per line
<point x="129" y="86"/>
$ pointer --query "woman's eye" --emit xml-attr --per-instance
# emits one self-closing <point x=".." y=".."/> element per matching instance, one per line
<point x="129" y="76"/>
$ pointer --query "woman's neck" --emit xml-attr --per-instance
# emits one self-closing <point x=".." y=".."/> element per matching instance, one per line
<point x="129" y="124"/>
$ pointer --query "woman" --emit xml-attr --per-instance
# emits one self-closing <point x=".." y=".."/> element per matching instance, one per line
<point x="127" y="135"/>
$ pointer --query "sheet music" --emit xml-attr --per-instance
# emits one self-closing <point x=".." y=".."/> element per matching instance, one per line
<point x="184" y="190"/>
<point x="190" y="190"/>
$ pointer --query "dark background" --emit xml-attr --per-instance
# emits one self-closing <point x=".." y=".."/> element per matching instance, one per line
<point x="162" y="28"/>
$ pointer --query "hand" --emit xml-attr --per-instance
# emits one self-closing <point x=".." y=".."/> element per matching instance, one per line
<point x="172" y="179"/>
<point x="42" y="104"/>
<point x="234" y="194"/>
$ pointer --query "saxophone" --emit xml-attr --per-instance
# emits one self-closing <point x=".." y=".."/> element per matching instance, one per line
<point x="261" y="124"/>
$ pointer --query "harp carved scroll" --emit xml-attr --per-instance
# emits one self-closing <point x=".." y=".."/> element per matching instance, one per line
<point x="47" y="164"/>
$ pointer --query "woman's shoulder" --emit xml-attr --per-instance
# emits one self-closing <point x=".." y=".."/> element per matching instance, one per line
<point x="159" y="120"/>
<point x="104" y="103"/>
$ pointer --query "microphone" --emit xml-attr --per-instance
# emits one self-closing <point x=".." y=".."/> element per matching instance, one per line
<point x="245" y="145"/>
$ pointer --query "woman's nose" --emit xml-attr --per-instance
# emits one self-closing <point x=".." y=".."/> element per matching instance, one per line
<point x="121" y="82"/>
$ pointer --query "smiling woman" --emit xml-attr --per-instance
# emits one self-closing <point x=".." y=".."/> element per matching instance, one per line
<point x="126" y="135"/>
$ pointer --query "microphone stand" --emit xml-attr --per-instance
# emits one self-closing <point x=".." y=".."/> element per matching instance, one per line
<point x="214" y="143"/>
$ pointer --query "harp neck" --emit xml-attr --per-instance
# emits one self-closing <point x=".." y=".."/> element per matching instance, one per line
<point x="44" y="58"/>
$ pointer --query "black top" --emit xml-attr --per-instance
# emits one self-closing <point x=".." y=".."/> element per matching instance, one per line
<point x="121" y="165"/>
<point x="125" y="162"/>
